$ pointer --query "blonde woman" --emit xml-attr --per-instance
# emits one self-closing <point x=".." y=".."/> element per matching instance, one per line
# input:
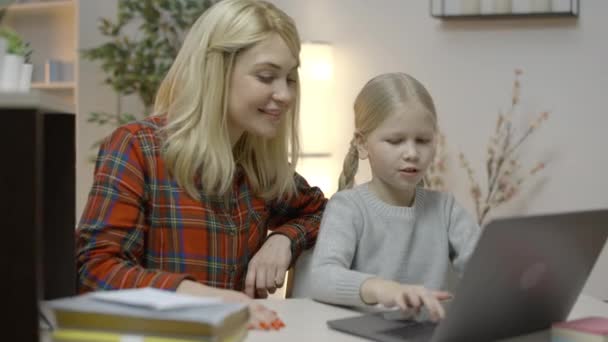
<point x="389" y="241"/>
<point x="184" y="199"/>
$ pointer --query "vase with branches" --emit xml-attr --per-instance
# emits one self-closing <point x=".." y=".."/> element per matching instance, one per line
<point x="136" y="62"/>
<point x="504" y="172"/>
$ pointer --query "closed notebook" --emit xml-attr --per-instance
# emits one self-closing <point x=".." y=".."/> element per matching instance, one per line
<point x="79" y="335"/>
<point x="588" y="329"/>
<point x="172" y="318"/>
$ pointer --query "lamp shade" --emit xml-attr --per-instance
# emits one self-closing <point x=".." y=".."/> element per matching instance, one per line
<point x="317" y="98"/>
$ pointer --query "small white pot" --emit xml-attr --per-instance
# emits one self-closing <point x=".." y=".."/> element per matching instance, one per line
<point x="11" y="72"/>
<point x="25" y="82"/>
<point x="2" y="53"/>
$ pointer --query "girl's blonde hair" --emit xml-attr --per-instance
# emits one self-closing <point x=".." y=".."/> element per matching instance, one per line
<point x="194" y="96"/>
<point x="382" y="96"/>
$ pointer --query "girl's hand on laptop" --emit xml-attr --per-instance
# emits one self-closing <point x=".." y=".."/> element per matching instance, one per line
<point x="405" y="296"/>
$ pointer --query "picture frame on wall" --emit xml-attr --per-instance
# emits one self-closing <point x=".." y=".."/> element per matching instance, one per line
<point x="453" y="9"/>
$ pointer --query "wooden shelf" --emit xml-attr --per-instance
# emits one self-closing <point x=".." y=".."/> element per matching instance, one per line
<point x="35" y="99"/>
<point x="449" y="10"/>
<point x="26" y="7"/>
<point x="507" y="16"/>
<point x="54" y="85"/>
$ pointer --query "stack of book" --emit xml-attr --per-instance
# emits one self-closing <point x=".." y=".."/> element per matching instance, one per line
<point x="587" y="329"/>
<point x="147" y="315"/>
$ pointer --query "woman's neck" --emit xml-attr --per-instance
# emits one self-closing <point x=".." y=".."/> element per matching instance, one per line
<point x="391" y="196"/>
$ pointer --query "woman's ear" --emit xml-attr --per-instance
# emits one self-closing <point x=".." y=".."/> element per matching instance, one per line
<point x="361" y="146"/>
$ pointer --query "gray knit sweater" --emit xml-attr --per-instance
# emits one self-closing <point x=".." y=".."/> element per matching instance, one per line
<point x="362" y="237"/>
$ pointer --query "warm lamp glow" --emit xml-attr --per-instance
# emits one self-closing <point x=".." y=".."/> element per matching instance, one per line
<point x="317" y="62"/>
<point x="316" y="107"/>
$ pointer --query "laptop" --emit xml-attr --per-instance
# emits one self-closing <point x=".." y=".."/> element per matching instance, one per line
<point x="525" y="273"/>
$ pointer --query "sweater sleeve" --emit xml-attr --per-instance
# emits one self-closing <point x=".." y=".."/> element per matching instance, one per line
<point x="463" y="233"/>
<point x="334" y="281"/>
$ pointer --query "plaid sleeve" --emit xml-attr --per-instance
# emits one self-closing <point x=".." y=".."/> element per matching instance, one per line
<point x="111" y="233"/>
<point x="299" y="217"/>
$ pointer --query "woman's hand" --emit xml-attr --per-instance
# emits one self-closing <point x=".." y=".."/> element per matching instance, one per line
<point x="405" y="296"/>
<point x="267" y="268"/>
<point x="260" y="317"/>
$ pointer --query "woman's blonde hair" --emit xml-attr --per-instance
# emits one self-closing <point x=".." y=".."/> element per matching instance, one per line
<point x="194" y="96"/>
<point x="382" y="96"/>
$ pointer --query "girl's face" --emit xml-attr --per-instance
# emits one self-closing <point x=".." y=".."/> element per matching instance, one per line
<point x="400" y="150"/>
<point x="262" y="89"/>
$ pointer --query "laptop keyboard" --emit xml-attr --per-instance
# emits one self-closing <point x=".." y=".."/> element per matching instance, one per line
<point x="412" y="329"/>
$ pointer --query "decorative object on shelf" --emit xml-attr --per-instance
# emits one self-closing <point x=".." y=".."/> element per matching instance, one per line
<point x="25" y="78"/>
<point x="136" y="63"/>
<point x="55" y="18"/>
<point x="541" y="6"/>
<point x="433" y="179"/>
<point x="15" y="67"/>
<point x="58" y="71"/>
<point x="3" y="44"/>
<point x="468" y="9"/>
<point x="503" y="170"/>
<point x="502" y="6"/>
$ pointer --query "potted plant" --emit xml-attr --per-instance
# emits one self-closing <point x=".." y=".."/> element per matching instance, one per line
<point x="16" y="68"/>
<point x="136" y="64"/>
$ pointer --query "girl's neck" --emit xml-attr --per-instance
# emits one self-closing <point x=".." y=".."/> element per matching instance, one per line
<point x="391" y="196"/>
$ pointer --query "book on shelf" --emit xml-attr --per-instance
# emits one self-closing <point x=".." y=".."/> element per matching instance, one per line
<point x="58" y="71"/>
<point x="151" y="313"/>
<point x="586" y="329"/>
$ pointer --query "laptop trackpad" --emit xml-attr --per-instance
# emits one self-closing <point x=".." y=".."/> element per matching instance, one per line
<point x="375" y="327"/>
<point x="412" y="331"/>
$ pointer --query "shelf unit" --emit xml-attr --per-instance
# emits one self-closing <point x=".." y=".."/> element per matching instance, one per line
<point x="502" y="9"/>
<point x="40" y="6"/>
<point x="507" y="16"/>
<point x="51" y="28"/>
<point x="54" y="85"/>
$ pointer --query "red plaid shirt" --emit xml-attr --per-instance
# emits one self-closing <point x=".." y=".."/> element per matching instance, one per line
<point x="140" y="228"/>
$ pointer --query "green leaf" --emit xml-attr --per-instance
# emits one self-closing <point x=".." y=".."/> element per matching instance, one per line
<point x="134" y="63"/>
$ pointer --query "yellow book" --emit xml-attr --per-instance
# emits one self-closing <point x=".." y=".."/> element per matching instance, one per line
<point x="149" y="312"/>
<point x="80" y="335"/>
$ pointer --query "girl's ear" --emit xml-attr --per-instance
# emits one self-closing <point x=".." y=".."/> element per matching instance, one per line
<point x="361" y="146"/>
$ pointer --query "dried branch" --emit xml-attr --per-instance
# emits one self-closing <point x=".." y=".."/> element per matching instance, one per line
<point x="503" y="170"/>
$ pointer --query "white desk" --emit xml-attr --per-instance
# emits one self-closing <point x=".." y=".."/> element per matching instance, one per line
<point x="305" y="320"/>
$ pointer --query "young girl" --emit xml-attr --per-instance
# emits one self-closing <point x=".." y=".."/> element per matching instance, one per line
<point x="390" y="241"/>
<point x="184" y="200"/>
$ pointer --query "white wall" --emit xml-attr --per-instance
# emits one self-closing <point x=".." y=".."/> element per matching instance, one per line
<point x="468" y="67"/>
<point x="93" y="95"/>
